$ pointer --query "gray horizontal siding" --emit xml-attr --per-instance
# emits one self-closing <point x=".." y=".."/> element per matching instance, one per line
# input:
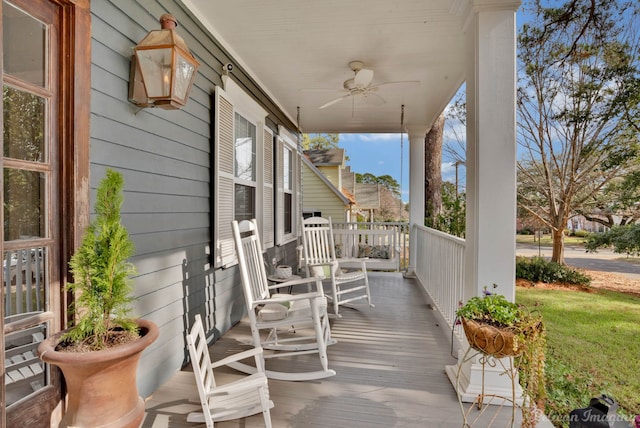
<point x="164" y="156"/>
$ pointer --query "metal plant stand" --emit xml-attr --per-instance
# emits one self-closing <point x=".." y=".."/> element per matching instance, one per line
<point x="483" y="400"/>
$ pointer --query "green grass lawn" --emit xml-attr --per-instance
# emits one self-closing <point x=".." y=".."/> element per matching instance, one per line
<point x="593" y="347"/>
<point x="547" y="240"/>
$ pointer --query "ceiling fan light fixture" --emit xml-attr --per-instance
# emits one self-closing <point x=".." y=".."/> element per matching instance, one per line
<point x="349" y="84"/>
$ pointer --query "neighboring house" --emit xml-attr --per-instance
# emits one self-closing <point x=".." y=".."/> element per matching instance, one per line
<point x="328" y="185"/>
<point x="321" y="197"/>
<point x="231" y="153"/>
<point x="367" y="199"/>
<point x="330" y="163"/>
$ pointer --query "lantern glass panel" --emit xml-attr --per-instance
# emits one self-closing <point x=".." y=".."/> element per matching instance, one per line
<point x="155" y="65"/>
<point x="183" y="75"/>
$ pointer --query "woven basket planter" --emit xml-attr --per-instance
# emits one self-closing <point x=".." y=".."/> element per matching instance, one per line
<point x="491" y="340"/>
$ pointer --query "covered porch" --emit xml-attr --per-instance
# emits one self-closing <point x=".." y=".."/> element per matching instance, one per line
<point x="390" y="362"/>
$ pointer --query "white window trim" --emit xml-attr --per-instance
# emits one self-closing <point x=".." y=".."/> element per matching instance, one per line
<point x="289" y="140"/>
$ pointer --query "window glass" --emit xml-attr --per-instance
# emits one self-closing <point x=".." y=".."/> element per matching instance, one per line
<point x="245" y="202"/>
<point x="245" y="149"/>
<point x="288" y="168"/>
<point x="24" y="204"/>
<point x="26" y="59"/>
<point x="24" y="125"/>
<point x="288" y="213"/>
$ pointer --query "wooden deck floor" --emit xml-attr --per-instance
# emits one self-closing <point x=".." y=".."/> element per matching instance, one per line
<point x="389" y="361"/>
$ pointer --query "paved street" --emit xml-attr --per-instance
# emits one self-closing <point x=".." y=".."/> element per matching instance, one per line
<point x="603" y="260"/>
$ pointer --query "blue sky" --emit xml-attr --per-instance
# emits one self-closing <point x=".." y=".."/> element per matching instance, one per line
<point x="380" y="154"/>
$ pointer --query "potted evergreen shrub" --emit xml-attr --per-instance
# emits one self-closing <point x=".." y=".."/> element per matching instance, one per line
<point x="99" y="354"/>
<point x="500" y="328"/>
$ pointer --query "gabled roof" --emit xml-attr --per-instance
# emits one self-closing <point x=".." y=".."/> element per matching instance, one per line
<point x="326" y="181"/>
<point x="326" y="157"/>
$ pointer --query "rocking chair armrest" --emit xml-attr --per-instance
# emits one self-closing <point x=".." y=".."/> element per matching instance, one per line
<point x="254" y="352"/>
<point x="322" y="264"/>
<point x="289" y="298"/>
<point x="361" y="260"/>
<point x="249" y="383"/>
<point x="353" y="259"/>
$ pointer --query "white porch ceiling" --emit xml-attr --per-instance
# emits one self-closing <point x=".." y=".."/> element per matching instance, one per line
<point x="290" y="46"/>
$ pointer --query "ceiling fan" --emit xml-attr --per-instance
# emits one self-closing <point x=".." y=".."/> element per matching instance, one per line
<point x="360" y="86"/>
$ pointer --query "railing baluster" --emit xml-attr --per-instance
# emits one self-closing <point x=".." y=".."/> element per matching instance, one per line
<point x="440" y="269"/>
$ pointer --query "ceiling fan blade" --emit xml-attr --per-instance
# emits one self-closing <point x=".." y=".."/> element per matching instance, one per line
<point x="334" y="101"/>
<point x="400" y="84"/>
<point x="322" y="90"/>
<point x="373" y="99"/>
<point x="363" y="78"/>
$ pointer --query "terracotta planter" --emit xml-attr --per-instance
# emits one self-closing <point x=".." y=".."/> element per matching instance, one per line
<point x="101" y="385"/>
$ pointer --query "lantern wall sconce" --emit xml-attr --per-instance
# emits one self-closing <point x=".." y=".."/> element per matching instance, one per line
<point x="162" y="68"/>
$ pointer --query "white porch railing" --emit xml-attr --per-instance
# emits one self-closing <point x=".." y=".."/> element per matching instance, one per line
<point x="440" y="260"/>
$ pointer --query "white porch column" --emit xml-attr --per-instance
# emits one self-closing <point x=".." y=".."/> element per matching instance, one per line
<point x="491" y="171"/>
<point x="416" y="187"/>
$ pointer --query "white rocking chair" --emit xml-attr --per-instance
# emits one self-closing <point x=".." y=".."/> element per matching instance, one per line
<point x="238" y="399"/>
<point x="320" y="259"/>
<point x="292" y="324"/>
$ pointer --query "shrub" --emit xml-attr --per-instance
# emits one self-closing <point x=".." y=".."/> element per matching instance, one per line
<point x="537" y="269"/>
<point x="580" y="233"/>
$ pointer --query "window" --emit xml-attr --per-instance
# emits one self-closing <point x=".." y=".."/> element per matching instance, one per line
<point x="287" y="167"/>
<point x="244" y="169"/>
<point x="288" y="187"/>
<point x="242" y="161"/>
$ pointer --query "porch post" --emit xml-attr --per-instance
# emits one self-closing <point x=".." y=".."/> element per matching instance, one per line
<point x="491" y="172"/>
<point x="416" y="188"/>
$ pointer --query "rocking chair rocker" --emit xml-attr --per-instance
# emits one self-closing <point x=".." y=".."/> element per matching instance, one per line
<point x="245" y="397"/>
<point x="284" y="325"/>
<point x="319" y="252"/>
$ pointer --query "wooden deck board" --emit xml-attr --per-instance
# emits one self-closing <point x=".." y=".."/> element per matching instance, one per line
<point x="389" y="361"/>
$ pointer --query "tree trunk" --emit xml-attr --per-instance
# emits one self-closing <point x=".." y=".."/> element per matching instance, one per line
<point x="558" y="246"/>
<point x="433" y="172"/>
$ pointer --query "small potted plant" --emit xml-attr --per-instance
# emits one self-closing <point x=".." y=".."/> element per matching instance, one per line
<point x="499" y="328"/>
<point x="99" y="354"/>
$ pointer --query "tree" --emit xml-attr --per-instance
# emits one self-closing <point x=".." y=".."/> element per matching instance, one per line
<point x="433" y="171"/>
<point x="578" y="85"/>
<point x="390" y="202"/>
<point x="320" y="141"/>
<point x="452" y="219"/>
<point x="455" y="140"/>
<point x="623" y="239"/>
<point x="618" y="204"/>
<point x="384" y="180"/>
